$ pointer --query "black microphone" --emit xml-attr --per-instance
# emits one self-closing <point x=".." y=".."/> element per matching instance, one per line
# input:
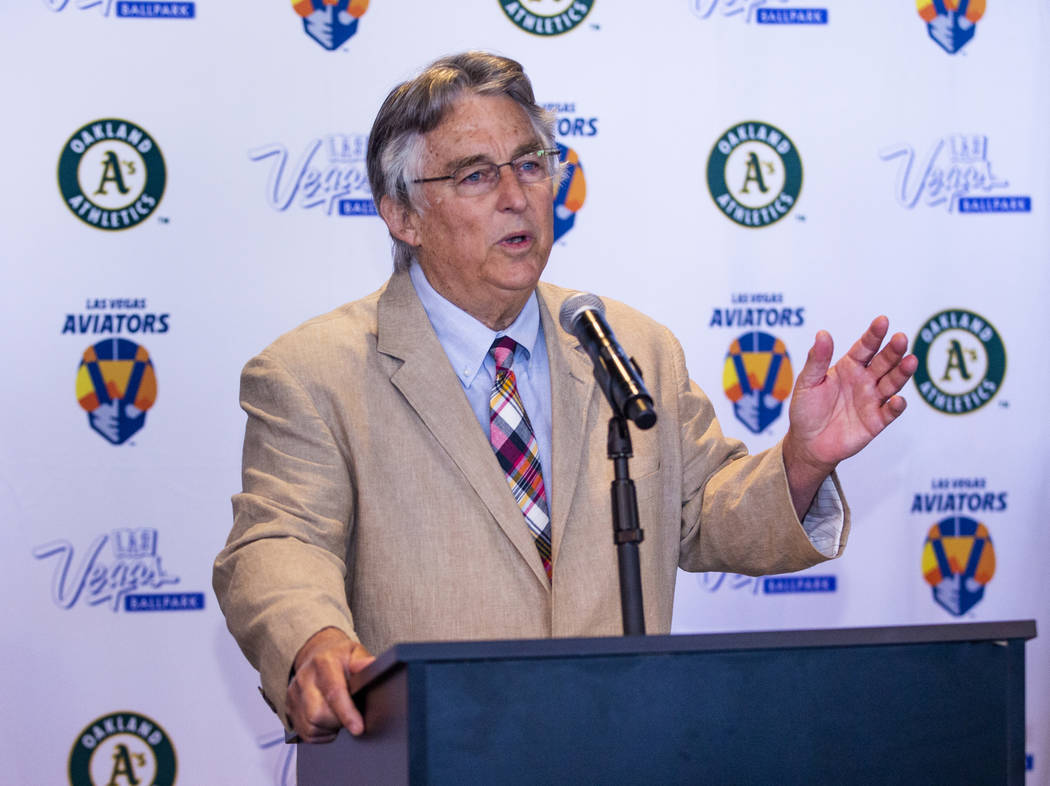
<point x="583" y="315"/>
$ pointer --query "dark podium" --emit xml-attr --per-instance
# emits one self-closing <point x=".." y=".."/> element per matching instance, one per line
<point x="917" y="704"/>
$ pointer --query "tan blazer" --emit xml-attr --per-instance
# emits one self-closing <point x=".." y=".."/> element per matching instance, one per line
<point x="373" y="502"/>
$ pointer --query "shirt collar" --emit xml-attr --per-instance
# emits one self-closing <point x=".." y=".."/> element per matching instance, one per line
<point x="466" y="341"/>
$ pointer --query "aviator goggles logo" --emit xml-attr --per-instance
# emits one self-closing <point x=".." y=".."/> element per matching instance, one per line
<point x="571" y="192"/>
<point x="958" y="561"/>
<point x="757" y="378"/>
<point x="331" y="23"/>
<point x="951" y="23"/>
<point x="116" y="385"/>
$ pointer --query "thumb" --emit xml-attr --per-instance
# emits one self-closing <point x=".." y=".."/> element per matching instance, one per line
<point x="818" y="361"/>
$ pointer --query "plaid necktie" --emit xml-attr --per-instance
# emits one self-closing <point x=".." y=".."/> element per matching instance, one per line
<point x="515" y="446"/>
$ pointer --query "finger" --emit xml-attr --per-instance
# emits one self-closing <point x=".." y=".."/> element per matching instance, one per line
<point x="817" y="361"/>
<point x="321" y="700"/>
<point x="892" y="409"/>
<point x="868" y="344"/>
<point x="889" y="356"/>
<point x="894" y="381"/>
<point x="337" y="696"/>
<point x="308" y="711"/>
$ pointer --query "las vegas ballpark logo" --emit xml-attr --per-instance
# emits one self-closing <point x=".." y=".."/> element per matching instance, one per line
<point x="116" y="386"/>
<point x="951" y="23"/>
<point x="761" y="12"/>
<point x="958" y="561"/>
<point x="757" y="378"/>
<point x="956" y="173"/>
<point x="962" y="361"/>
<point x="754" y="174"/>
<point x="546" y="17"/>
<point x="329" y="176"/>
<point x="122" y="748"/>
<point x="331" y="23"/>
<point x="130" y="9"/>
<point x="111" y="174"/>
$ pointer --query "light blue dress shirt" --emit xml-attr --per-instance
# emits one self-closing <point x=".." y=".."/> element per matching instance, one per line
<point x="466" y="342"/>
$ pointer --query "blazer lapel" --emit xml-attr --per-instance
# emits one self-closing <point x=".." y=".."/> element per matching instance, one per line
<point x="429" y="384"/>
<point x="572" y="389"/>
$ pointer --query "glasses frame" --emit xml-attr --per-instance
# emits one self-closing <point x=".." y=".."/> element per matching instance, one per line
<point x="544" y="151"/>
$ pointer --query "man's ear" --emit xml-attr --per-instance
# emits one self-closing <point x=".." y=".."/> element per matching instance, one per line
<point x="402" y="221"/>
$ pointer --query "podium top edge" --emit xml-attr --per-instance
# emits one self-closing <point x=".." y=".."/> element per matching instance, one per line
<point x="439" y="651"/>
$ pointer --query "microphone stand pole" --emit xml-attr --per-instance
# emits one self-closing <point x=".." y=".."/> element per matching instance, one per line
<point x="626" y="532"/>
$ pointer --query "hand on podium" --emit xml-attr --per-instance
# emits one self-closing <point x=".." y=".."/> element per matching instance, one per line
<point x="318" y="701"/>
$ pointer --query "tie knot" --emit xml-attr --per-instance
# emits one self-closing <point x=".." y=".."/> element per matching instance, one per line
<point x="503" y="353"/>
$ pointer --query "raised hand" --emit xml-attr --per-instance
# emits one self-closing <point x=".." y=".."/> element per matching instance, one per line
<point x="837" y="410"/>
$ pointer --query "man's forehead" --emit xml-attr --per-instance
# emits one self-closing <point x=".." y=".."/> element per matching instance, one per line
<point x="479" y="128"/>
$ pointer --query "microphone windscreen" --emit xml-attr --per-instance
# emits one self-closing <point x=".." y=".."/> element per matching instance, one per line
<point x="575" y="305"/>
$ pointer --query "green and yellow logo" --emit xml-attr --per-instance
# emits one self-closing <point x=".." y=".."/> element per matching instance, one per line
<point x="123" y="747"/>
<point x="546" y="17"/>
<point x="754" y="174"/>
<point x="962" y="361"/>
<point x="111" y="174"/>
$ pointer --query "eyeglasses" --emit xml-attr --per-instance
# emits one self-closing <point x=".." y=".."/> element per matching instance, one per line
<point x="478" y="179"/>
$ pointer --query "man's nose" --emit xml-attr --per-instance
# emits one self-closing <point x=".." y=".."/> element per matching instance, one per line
<point x="511" y="191"/>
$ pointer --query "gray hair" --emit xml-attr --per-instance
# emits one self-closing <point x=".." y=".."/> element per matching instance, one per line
<point x="395" y="145"/>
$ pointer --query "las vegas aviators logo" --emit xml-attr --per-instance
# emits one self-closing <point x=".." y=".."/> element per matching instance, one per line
<point x="951" y="23"/>
<point x="122" y="747"/>
<point x="546" y="17"/>
<point x="962" y="361"/>
<point x="757" y="378"/>
<point x="111" y="174"/>
<point x="754" y="174"/>
<point x="116" y="385"/>
<point x="571" y="192"/>
<point x="331" y="23"/>
<point x="958" y="560"/>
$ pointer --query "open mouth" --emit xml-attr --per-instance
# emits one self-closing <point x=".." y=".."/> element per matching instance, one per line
<point x="515" y="241"/>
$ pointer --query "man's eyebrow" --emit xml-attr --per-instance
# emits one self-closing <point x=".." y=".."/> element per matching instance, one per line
<point x="480" y="158"/>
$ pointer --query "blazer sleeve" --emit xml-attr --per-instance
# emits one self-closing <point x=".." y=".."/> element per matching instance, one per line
<point x="281" y="576"/>
<point x="737" y="513"/>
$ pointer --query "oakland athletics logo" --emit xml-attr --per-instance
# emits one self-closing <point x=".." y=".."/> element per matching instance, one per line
<point x="546" y="17"/>
<point x="962" y="361"/>
<point x="754" y="174"/>
<point x="111" y="174"/>
<point x="122" y="747"/>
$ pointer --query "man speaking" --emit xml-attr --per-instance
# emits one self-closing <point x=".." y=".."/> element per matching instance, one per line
<point x="429" y="463"/>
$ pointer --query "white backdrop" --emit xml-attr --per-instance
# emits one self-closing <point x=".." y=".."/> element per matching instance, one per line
<point x="921" y="190"/>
